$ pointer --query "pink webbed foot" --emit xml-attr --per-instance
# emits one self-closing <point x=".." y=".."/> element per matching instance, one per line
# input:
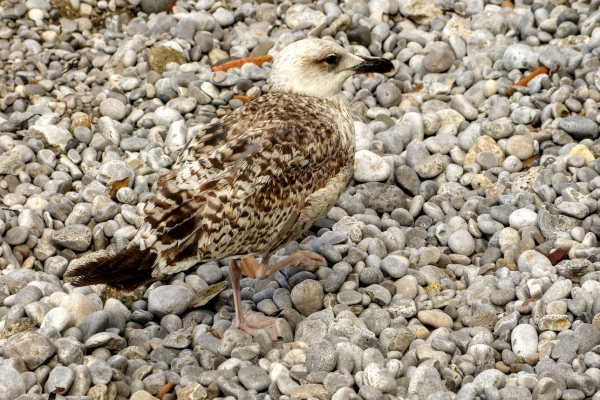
<point x="308" y="258"/>
<point x="252" y="269"/>
<point x="277" y="328"/>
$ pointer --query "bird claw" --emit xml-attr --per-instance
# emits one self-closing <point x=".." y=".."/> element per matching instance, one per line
<point x="308" y="258"/>
<point x="277" y="328"/>
<point x="252" y="269"/>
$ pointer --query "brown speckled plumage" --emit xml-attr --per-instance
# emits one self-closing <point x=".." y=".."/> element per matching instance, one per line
<point x="248" y="185"/>
<point x="252" y="183"/>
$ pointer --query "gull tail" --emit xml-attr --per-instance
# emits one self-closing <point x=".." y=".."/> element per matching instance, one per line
<point x="127" y="270"/>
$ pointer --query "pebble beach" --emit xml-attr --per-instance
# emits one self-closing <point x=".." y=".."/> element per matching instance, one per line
<point x="463" y="258"/>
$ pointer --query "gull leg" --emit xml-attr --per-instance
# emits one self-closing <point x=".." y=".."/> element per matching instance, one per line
<point x="252" y="321"/>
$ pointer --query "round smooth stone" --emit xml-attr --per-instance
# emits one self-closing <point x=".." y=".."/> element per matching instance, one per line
<point x="461" y="242"/>
<point x="524" y="340"/>
<point x="522" y="218"/>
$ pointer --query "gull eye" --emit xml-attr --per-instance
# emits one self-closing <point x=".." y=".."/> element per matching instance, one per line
<point x="331" y="59"/>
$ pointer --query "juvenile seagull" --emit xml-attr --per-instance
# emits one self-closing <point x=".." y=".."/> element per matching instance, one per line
<point x="250" y="184"/>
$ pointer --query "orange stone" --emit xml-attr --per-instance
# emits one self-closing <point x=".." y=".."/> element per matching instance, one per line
<point x="244" y="99"/>
<point x="556" y="256"/>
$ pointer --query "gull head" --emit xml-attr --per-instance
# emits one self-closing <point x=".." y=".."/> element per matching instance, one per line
<point x="318" y="68"/>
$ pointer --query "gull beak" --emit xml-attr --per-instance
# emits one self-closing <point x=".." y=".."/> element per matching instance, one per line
<point x="373" y="64"/>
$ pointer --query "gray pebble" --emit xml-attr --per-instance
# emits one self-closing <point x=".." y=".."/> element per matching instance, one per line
<point x="388" y="95"/>
<point x="370" y="275"/>
<point x="393" y="267"/>
<point x="461" y="242"/>
<point x="60" y="377"/>
<point x="76" y="237"/>
<point x="307" y="297"/>
<point x="32" y="347"/>
<point x="321" y="356"/>
<point x="579" y="127"/>
<point x="169" y="299"/>
<point x="349" y="297"/>
<point x="11" y="383"/>
<point x="113" y="108"/>
<point x="254" y="378"/>
<point x="17" y="235"/>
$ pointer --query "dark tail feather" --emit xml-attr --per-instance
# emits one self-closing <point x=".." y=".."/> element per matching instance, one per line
<point x="127" y="270"/>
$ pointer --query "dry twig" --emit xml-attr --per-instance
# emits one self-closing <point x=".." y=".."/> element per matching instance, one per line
<point x="165" y="389"/>
<point x="260" y="60"/>
<point x="527" y="79"/>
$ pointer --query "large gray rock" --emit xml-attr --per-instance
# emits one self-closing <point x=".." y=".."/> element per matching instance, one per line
<point x="75" y="237"/>
<point x="32" y="347"/>
<point x="307" y="297"/>
<point x="520" y="56"/>
<point x="420" y="11"/>
<point x="579" y="127"/>
<point x="11" y="384"/>
<point x="116" y="171"/>
<point x="381" y="197"/>
<point x="169" y="299"/>
<point x="54" y="137"/>
<point x="10" y="163"/>
<point x="321" y="356"/>
<point x="425" y="381"/>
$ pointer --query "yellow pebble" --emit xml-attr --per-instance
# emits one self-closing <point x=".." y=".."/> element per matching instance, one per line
<point x="581" y="150"/>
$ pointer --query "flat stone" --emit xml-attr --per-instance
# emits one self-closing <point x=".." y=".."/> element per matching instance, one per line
<point x="430" y="166"/>
<point x="321" y="356"/>
<point x="523" y="183"/>
<point x="17" y="235"/>
<point x="520" y="56"/>
<point x="11" y="163"/>
<point x="425" y="382"/>
<point x="461" y="242"/>
<point x="113" y="108"/>
<point x="12" y="384"/>
<point x="422" y="12"/>
<point x="116" y="171"/>
<point x="530" y="259"/>
<point x="450" y="116"/>
<point x="522" y="218"/>
<point x="579" y="127"/>
<point x="435" y="318"/>
<point x="300" y="14"/>
<point x="32" y="347"/>
<point x="439" y="59"/>
<point x="160" y="56"/>
<point x="111" y="341"/>
<point x="169" y="299"/>
<point x="190" y="392"/>
<point x="381" y="197"/>
<point x="76" y="237"/>
<point x="580" y="150"/>
<point x="254" y="378"/>
<point x="369" y="167"/>
<point x="380" y="378"/>
<point x="54" y="137"/>
<point x="60" y="377"/>
<point x="558" y="291"/>
<point x="484" y="143"/>
<point x="309" y="391"/>
<point x="554" y="323"/>
<point x="349" y="297"/>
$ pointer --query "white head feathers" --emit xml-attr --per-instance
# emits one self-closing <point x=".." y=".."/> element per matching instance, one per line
<point x="318" y="68"/>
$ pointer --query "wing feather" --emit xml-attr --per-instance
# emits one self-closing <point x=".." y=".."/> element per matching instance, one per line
<point x="240" y="186"/>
